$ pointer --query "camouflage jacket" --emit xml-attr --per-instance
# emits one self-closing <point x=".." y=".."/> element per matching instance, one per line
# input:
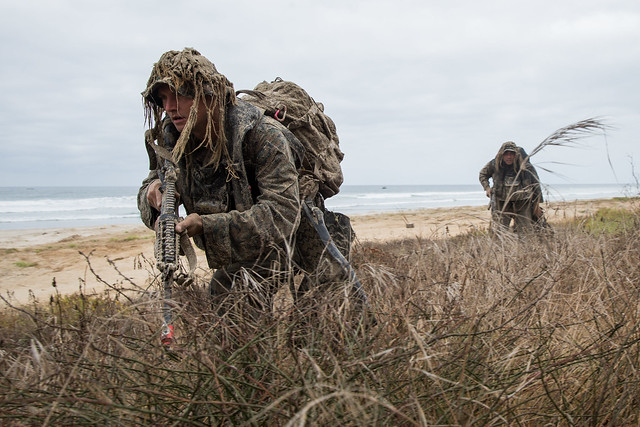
<point x="508" y="184"/>
<point x="249" y="207"/>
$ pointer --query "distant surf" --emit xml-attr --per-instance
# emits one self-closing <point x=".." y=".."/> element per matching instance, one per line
<point x="61" y="207"/>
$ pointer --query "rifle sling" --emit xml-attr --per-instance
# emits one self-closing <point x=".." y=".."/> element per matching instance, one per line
<point x="316" y="217"/>
<point x="189" y="252"/>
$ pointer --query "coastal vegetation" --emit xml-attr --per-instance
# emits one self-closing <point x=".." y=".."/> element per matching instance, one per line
<point x="463" y="330"/>
<point x="25" y="264"/>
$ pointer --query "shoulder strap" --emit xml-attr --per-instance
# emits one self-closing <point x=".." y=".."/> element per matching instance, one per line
<point x="153" y="148"/>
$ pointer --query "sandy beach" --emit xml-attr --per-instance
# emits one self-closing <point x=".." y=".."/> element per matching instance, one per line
<point x="92" y="258"/>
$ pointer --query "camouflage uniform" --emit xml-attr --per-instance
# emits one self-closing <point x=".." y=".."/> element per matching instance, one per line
<point x="250" y="203"/>
<point x="516" y="189"/>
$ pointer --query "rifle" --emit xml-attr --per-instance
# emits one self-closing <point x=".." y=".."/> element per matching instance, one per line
<point x="166" y="245"/>
<point x="166" y="249"/>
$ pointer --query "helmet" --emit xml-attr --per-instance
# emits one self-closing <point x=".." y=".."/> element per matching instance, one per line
<point x="509" y="146"/>
<point x="186" y="72"/>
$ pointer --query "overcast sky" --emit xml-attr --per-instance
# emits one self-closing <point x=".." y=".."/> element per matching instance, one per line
<point x="422" y="92"/>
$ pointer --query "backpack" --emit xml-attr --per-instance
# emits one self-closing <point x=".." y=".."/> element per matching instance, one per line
<point x="292" y="106"/>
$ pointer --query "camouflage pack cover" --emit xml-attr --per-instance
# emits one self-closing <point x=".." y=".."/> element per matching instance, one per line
<point x="305" y="118"/>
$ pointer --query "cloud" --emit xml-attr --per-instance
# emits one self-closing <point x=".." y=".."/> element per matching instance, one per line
<point x="421" y="92"/>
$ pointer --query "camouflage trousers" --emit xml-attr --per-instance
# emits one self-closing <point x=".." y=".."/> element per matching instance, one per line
<point x="261" y="279"/>
<point x="518" y="211"/>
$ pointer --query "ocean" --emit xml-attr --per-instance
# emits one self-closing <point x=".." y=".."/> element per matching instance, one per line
<point x="60" y="207"/>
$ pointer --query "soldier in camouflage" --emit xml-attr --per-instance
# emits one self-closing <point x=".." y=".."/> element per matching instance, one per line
<point x="516" y="194"/>
<point x="238" y="179"/>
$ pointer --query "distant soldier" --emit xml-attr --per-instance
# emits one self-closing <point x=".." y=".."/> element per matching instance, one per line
<point x="516" y="193"/>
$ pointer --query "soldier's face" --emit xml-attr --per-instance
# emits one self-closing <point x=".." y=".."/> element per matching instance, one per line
<point x="508" y="157"/>
<point x="178" y="108"/>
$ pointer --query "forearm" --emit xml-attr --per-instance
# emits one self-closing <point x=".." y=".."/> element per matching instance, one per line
<point x="485" y="173"/>
<point x="485" y="183"/>
<point x="240" y="236"/>
<point x="537" y="197"/>
<point x="148" y="214"/>
<point x="244" y="236"/>
<point x="535" y="182"/>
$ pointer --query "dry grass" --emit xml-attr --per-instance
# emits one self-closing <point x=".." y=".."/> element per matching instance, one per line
<point x="469" y="330"/>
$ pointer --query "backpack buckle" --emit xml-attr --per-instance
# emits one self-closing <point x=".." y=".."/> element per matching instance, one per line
<point x="281" y="113"/>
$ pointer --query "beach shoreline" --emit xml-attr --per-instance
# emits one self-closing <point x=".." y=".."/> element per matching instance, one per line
<point x="91" y="258"/>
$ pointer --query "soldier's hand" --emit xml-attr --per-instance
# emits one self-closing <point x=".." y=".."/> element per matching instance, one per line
<point x="154" y="195"/>
<point x="488" y="192"/>
<point x="192" y="224"/>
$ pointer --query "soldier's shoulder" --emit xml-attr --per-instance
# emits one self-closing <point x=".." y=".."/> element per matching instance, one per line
<point x="490" y="164"/>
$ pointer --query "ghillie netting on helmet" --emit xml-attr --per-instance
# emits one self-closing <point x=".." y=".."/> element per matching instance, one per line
<point x="190" y="74"/>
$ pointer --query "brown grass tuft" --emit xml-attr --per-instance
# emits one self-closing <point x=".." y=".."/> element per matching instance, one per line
<point x="472" y="329"/>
